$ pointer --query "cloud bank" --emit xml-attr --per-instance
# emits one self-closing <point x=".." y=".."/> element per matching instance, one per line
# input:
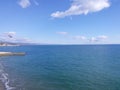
<point x="98" y="38"/>
<point x="79" y="7"/>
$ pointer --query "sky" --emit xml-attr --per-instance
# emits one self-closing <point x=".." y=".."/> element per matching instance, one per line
<point x="60" y="21"/>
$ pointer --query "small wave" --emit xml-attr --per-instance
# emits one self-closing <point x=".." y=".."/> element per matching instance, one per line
<point x="4" y="78"/>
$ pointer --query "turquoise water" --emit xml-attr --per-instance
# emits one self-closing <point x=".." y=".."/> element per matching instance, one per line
<point x="65" y="67"/>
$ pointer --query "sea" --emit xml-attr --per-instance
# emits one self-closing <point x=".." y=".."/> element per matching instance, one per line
<point x="61" y="67"/>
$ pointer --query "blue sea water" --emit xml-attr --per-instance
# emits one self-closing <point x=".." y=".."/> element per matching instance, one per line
<point x="62" y="67"/>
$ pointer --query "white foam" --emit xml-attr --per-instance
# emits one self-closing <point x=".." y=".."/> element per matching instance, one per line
<point x="4" y="78"/>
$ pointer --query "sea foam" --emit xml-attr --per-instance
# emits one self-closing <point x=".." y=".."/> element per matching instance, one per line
<point x="4" y="78"/>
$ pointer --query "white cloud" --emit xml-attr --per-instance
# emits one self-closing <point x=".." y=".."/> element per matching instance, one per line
<point x="102" y="37"/>
<point x="79" y="7"/>
<point x="93" y="39"/>
<point x="13" y="33"/>
<point x="98" y="38"/>
<point x="62" y="33"/>
<point x="80" y="37"/>
<point x="9" y="35"/>
<point x="23" y="40"/>
<point x="13" y="37"/>
<point x="24" y="3"/>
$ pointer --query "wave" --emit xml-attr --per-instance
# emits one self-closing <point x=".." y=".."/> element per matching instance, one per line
<point x="4" y="78"/>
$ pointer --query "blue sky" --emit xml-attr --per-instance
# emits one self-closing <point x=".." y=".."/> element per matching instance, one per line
<point x="60" y="21"/>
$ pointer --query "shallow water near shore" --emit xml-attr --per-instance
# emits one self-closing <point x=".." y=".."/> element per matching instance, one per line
<point x="65" y="67"/>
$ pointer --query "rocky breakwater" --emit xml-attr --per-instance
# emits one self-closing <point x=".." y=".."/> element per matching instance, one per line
<point x="12" y="53"/>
